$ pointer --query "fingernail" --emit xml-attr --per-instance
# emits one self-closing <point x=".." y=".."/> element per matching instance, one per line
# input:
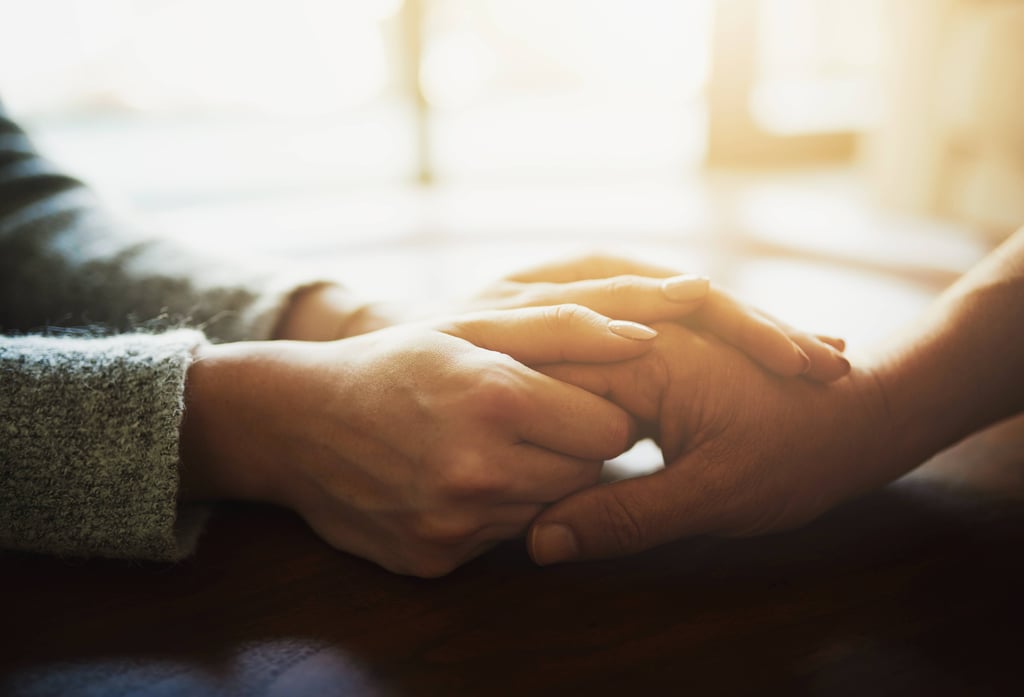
<point x="804" y="360"/>
<point x="833" y="342"/>
<point x="685" y="288"/>
<point x="843" y="362"/>
<point x="552" y="543"/>
<point x="632" y="330"/>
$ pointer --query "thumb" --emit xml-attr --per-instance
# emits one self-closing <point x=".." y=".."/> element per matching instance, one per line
<point x="623" y="518"/>
<point x="553" y="334"/>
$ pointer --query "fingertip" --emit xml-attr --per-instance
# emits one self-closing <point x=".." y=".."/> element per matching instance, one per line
<point x="833" y="341"/>
<point x="829" y="365"/>
<point x="552" y="543"/>
<point x="760" y="338"/>
<point x="632" y="330"/>
<point x="843" y="364"/>
<point x="686" y="288"/>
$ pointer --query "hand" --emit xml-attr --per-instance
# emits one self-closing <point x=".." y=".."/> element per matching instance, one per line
<point x="326" y="311"/>
<point x="643" y="292"/>
<point x="612" y="286"/>
<point x="417" y="447"/>
<point x="745" y="452"/>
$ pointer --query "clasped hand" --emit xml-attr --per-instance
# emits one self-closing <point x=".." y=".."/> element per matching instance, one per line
<point x="421" y="445"/>
<point x="416" y="446"/>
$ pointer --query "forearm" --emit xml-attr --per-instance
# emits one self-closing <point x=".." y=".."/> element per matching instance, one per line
<point x="960" y="368"/>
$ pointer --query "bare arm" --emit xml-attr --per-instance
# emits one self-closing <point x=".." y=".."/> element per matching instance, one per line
<point x="962" y="366"/>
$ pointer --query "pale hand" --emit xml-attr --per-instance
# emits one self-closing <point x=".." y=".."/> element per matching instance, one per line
<point x="642" y="292"/>
<point x="417" y="447"/>
<point x="612" y="286"/>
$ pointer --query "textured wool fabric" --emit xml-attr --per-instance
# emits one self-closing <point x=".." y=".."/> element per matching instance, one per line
<point x="89" y="424"/>
<point x="88" y="429"/>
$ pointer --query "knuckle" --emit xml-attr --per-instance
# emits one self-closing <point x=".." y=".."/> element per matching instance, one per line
<point x="653" y="372"/>
<point x="624" y="530"/>
<point x="468" y="474"/>
<point x="619" y="432"/>
<point x="623" y="287"/>
<point x="497" y="392"/>
<point x="568" y="315"/>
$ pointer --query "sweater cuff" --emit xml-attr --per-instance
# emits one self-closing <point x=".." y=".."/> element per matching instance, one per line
<point x="89" y="445"/>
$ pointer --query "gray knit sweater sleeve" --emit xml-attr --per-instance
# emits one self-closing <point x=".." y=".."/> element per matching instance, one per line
<point x="67" y="261"/>
<point x="89" y="446"/>
<point x="89" y="426"/>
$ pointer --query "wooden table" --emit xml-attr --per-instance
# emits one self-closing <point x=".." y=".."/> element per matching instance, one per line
<point x="916" y="589"/>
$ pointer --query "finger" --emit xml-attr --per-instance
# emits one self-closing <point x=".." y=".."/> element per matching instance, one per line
<point x="552" y="334"/>
<point x="566" y="419"/>
<point x="460" y="525"/>
<point x="762" y="339"/>
<point x="636" y="298"/>
<point x="510" y="521"/>
<point x="593" y="266"/>
<point x="485" y="545"/>
<point x="517" y="473"/>
<point x="438" y="544"/>
<point x="585" y="376"/>
<point x="537" y="475"/>
<point x="827" y="364"/>
<point x="835" y="342"/>
<point x="632" y="387"/>
<point x="825" y="353"/>
<point x="491" y="537"/>
<point x="626" y="517"/>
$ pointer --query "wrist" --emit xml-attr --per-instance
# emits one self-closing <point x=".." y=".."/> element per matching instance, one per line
<point x="221" y="456"/>
<point x="919" y="418"/>
<point x="860" y="437"/>
<point x="195" y="454"/>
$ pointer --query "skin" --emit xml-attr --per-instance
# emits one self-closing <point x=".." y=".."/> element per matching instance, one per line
<point x="748" y="453"/>
<point x="419" y="446"/>
<point x="612" y="286"/>
<point x="415" y="447"/>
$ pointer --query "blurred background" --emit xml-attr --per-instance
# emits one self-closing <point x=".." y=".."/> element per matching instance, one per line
<point x="835" y="162"/>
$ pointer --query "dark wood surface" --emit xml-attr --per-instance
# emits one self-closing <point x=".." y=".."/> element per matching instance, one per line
<point x="916" y="589"/>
